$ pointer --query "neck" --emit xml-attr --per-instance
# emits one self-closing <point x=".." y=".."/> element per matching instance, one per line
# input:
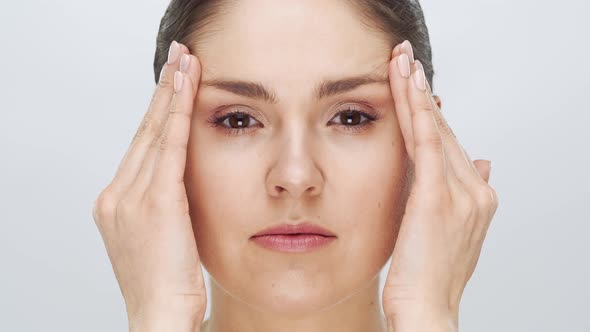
<point x="360" y="312"/>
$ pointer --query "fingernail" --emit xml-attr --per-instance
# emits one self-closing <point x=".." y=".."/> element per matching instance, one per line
<point x="419" y="76"/>
<point x="178" y="80"/>
<point x="173" y="52"/>
<point x="404" y="65"/>
<point x="407" y="47"/>
<point x="184" y="62"/>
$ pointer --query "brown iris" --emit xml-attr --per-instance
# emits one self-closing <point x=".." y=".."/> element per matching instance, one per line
<point x="239" y="120"/>
<point x="351" y="118"/>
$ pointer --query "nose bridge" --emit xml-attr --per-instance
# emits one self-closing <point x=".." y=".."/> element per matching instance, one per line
<point x="295" y="171"/>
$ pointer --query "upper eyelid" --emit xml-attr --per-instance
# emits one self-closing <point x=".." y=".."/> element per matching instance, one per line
<point x="359" y="103"/>
<point x="351" y="104"/>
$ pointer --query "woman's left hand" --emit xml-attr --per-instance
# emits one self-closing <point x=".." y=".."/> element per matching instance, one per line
<point x="448" y="212"/>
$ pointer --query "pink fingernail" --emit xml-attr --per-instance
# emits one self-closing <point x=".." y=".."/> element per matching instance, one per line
<point x="184" y="62"/>
<point x="418" y="64"/>
<point x="419" y="76"/>
<point x="419" y="80"/>
<point x="404" y="65"/>
<point x="173" y="52"/>
<point x="407" y="46"/>
<point x="178" y="80"/>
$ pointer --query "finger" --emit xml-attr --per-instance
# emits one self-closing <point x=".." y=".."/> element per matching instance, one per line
<point x="399" y="71"/>
<point x="151" y="125"/>
<point x="188" y="63"/>
<point x="457" y="156"/>
<point x="171" y="159"/>
<point x="430" y="162"/>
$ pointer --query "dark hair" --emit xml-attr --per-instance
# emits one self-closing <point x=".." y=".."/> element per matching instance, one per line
<point x="184" y="21"/>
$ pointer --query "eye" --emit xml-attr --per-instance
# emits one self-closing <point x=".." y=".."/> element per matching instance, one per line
<point x="237" y="122"/>
<point x="233" y="123"/>
<point x="350" y="119"/>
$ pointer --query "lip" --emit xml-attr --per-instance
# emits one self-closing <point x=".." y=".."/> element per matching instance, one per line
<point x="299" y="238"/>
<point x="293" y="242"/>
<point x="302" y="228"/>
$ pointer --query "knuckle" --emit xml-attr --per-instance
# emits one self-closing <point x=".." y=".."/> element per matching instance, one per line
<point x="155" y="141"/>
<point x="147" y="126"/>
<point x="163" y="142"/>
<point x="422" y="111"/>
<point x="104" y="206"/>
<point x="179" y="114"/>
<point x="430" y="142"/>
<point x="423" y="105"/>
<point x="156" y="200"/>
<point x="495" y="203"/>
<point x="165" y="82"/>
<point x="484" y="196"/>
<point x="436" y="142"/>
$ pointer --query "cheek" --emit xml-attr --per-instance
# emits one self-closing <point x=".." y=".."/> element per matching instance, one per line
<point x="217" y="182"/>
<point x="378" y="195"/>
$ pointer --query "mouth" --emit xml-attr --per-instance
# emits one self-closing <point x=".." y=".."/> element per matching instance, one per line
<point x="293" y="243"/>
<point x="298" y="238"/>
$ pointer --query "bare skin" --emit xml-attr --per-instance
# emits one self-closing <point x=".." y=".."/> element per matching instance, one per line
<point x="159" y="217"/>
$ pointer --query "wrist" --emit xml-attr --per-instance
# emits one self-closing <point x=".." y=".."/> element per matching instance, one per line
<point x="424" y="318"/>
<point x="164" y="318"/>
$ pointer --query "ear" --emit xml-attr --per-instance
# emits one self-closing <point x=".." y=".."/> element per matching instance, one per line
<point x="438" y="101"/>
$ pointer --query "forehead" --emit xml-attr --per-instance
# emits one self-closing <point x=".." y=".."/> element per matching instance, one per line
<point x="291" y="44"/>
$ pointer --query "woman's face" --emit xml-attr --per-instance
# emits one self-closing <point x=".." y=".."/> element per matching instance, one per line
<point x="293" y="159"/>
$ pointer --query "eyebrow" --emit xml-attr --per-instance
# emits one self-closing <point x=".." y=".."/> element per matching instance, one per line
<point x="326" y="88"/>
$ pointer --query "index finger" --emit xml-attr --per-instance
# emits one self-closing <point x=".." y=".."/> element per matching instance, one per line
<point x="171" y="159"/>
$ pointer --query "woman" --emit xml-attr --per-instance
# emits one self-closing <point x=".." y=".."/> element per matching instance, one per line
<point x="309" y="116"/>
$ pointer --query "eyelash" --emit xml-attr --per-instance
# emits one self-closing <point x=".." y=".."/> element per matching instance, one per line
<point x="218" y="121"/>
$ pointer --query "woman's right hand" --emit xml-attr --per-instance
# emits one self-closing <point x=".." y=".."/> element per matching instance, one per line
<point x="143" y="214"/>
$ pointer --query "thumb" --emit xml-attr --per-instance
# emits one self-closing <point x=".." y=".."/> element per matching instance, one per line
<point x="484" y="167"/>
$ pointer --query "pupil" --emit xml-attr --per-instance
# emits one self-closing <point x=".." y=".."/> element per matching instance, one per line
<point x="239" y="121"/>
<point x="347" y="118"/>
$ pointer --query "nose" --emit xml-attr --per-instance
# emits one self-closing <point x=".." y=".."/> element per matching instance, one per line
<point x="295" y="172"/>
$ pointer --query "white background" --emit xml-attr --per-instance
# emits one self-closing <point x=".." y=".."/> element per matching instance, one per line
<point x="77" y="78"/>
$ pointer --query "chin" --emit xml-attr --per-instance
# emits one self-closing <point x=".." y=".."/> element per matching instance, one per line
<point x="293" y="300"/>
